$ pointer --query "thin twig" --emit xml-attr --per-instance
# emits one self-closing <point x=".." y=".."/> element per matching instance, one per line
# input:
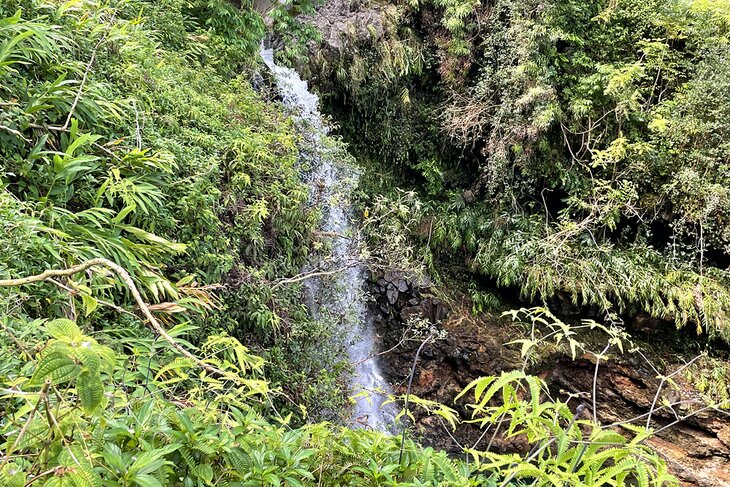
<point x="331" y="234"/>
<point x="43" y="474"/>
<point x="53" y="128"/>
<point x="15" y="132"/>
<point x="641" y="416"/>
<point x="681" y="419"/>
<point x="408" y="394"/>
<point x="138" y="132"/>
<point x="25" y="427"/>
<point x="85" y="77"/>
<point x="595" y="382"/>
<point x="664" y="379"/>
<point x="443" y="425"/>
<point x="370" y="357"/>
<point x="74" y="291"/>
<point x="309" y="275"/>
<point x="495" y="433"/>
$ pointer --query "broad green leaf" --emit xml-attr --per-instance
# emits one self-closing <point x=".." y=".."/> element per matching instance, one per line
<point x="90" y="390"/>
<point x="90" y="303"/>
<point x="63" y="329"/>
<point x="57" y="366"/>
<point x="85" y="352"/>
<point x="146" y="480"/>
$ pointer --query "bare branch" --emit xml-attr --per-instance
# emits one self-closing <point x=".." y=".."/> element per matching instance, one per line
<point x="309" y="275"/>
<point x="331" y="234"/>
<point x="408" y="393"/>
<point x="74" y="291"/>
<point x="664" y="379"/>
<point x="127" y="280"/>
<point x="681" y="419"/>
<point x="14" y="132"/>
<point x="85" y="77"/>
<point x="138" y="132"/>
<point x="595" y="382"/>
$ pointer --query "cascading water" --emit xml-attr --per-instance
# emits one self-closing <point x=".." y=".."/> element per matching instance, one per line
<point x="339" y="296"/>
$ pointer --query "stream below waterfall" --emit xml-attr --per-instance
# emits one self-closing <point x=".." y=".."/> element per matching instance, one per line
<point x="338" y="296"/>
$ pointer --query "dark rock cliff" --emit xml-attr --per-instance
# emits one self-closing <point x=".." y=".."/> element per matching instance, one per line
<point x="697" y="450"/>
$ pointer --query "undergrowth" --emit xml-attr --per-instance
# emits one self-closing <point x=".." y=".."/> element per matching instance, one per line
<point x="130" y="135"/>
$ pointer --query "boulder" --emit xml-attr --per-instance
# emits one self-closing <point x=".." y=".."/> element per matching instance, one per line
<point x="391" y="293"/>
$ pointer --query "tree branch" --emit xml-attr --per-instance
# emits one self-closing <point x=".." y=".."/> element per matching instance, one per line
<point x="14" y="132"/>
<point x="308" y="275"/>
<point x="408" y="395"/>
<point x="50" y="274"/>
<point x="664" y="379"/>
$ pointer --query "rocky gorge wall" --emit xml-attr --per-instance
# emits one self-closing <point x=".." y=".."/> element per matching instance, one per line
<point x="697" y="450"/>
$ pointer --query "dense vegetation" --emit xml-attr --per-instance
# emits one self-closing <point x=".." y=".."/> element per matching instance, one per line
<point x="150" y="197"/>
<point x="161" y="158"/>
<point x="563" y="148"/>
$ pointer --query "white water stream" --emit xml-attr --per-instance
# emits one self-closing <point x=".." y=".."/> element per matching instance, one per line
<point x="339" y="296"/>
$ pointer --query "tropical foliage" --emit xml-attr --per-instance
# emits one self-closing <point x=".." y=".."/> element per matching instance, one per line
<point x="138" y="137"/>
<point x="150" y="197"/>
<point x="79" y="413"/>
<point x="580" y="145"/>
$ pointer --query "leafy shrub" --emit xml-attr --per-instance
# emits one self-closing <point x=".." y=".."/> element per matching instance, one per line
<point x="129" y="134"/>
<point x="80" y="413"/>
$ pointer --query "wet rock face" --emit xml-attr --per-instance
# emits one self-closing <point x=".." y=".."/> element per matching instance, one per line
<point x="347" y="28"/>
<point x="697" y="450"/>
<point x="398" y="299"/>
<point x="446" y="366"/>
<point x="344" y="22"/>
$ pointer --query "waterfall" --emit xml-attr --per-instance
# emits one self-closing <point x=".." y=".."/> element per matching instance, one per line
<point x="338" y="296"/>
